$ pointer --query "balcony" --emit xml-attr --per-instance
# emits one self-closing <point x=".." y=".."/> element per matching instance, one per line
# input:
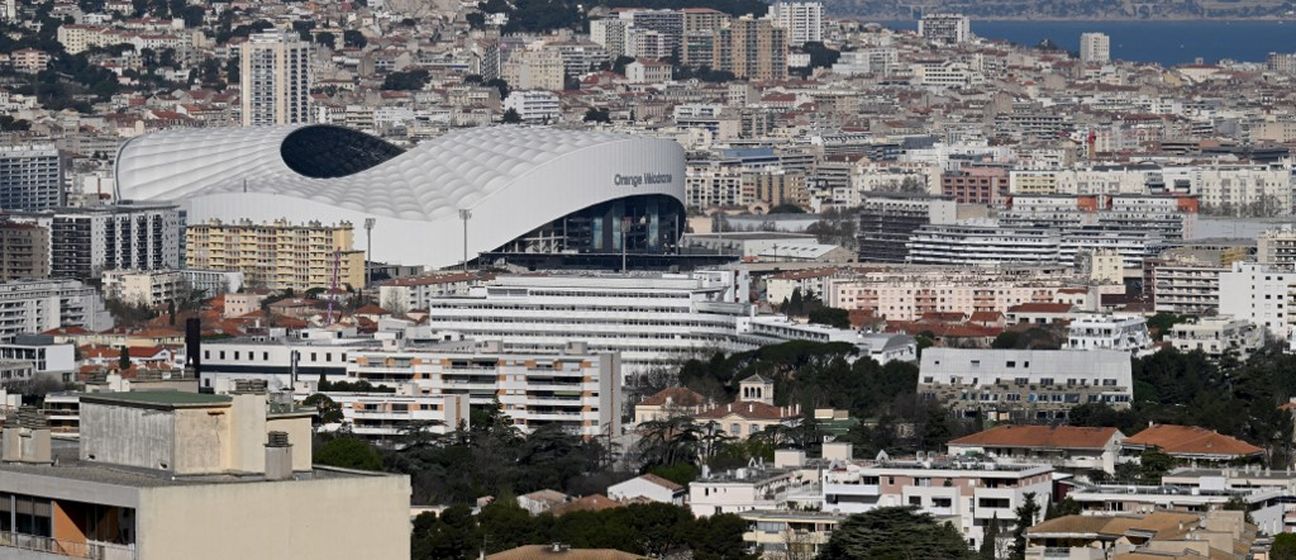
<point x="46" y="548"/>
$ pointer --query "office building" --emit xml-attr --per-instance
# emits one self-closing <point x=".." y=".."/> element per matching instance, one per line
<point x="32" y="177"/>
<point x="802" y="20"/>
<point x="1024" y="385"/>
<point x="128" y="487"/>
<point x="524" y="189"/>
<point x="887" y="220"/>
<point x="24" y="251"/>
<point x="752" y="49"/>
<point x="279" y="255"/>
<point x="968" y="493"/>
<point x="945" y="28"/>
<point x="1095" y="48"/>
<point x="34" y="306"/>
<point x="275" y="79"/>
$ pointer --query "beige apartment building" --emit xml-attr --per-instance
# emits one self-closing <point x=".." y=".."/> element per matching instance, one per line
<point x="279" y="255"/>
<point x="906" y="295"/>
<point x="24" y="251"/>
<point x="752" y="49"/>
<point x="275" y="79"/>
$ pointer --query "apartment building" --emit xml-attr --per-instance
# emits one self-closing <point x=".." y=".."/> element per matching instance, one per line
<point x="1127" y="333"/>
<point x="983" y="243"/>
<point x="84" y="242"/>
<point x="1184" y="286"/>
<point x="1217" y="336"/>
<point x="1158" y="534"/>
<point x="275" y="74"/>
<point x="1024" y="385"/>
<point x="34" y="306"/>
<point x="46" y="356"/>
<point x="945" y="28"/>
<point x="388" y="417"/>
<point x="803" y="21"/>
<point x="976" y="185"/>
<point x="1266" y="506"/>
<point x="278" y="255"/>
<point x="535" y="106"/>
<point x="905" y="294"/>
<point x="758" y="488"/>
<point x="708" y="185"/>
<point x="24" y="251"/>
<point x="410" y="293"/>
<point x="752" y="49"/>
<point x="1258" y="293"/>
<point x="887" y="220"/>
<point x="127" y="488"/>
<point x="32" y="177"/>
<point x="576" y="389"/>
<point x="1095" y="48"/>
<point x="970" y="493"/>
<point x="153" y="288"/>
<point x="776" y="187"/>
<point x="1277" y="246"/>
<point x="1174" y="217"/>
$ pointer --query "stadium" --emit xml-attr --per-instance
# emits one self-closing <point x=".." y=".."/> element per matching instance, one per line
<point x="511" y="188"/>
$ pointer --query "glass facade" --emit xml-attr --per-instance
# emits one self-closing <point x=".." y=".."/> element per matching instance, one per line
<point x="645" y="224"/>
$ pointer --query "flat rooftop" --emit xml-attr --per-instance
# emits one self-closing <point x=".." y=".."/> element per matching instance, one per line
<point x="158" y="399"/>
<point x="68" y="466"/>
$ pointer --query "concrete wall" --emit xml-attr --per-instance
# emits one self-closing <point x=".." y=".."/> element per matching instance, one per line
<point x="342" y="518"/>
<point x="299" y="435"/>
<point x="140" y="437"/>
<point x="202" y="440"/>
<point x="248" y="432"/>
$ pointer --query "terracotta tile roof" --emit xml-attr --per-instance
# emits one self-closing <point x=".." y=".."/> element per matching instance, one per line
<point x="1047" y="437"/>
<point x="1191" y="440"/>
<point x="1163" y="524"/>
<point x="748" y="410"/>
<point x="673" y="487"/>
<point x="593" y="502"/>
<point x="678" y="396"/>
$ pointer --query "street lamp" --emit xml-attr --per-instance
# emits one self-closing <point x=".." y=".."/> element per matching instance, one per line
<point x="465" y="215"/>
<point x="369" y="225"/>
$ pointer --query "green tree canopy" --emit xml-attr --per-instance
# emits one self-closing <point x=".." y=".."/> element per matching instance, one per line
<point x="895" y="533"/>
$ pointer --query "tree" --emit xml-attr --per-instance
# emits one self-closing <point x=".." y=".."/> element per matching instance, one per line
<point x="406" y="81"/>
<point x="894" y="533"/>
<point x="1284" y="547"/>
<point x="1027" y="513"/>
<point x="330" y="412"/>
<point x="511" y="116"/>
<point x="597" y="115"/>
<point x="123" y="358"/>
<point x="354" y="39"/>
<point x="349" y="453"/>
<point x="989" y="543"/>
<point x="327" y="39"/>
<point x="831" y="316"/>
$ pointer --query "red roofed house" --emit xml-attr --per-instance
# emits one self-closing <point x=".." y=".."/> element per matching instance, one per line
<point x="648" y="487"/>
<point x="752" y="412"/>
<point x="1191" y="443"/>
<point x="668" y="403"/>
<point x="1064" y="447"/>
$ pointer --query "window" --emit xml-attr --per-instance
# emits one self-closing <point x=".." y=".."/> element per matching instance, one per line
<point x="1012" y="364"/>
<point x="915" y="500"/>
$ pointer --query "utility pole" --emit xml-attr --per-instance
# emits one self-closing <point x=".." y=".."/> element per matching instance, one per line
<point x="369" y="225"/>
<point x="625" y="225"/>
<point x="465" y="215"/>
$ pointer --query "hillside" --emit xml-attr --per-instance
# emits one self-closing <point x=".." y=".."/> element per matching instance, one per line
<point x="1068" y="9"/>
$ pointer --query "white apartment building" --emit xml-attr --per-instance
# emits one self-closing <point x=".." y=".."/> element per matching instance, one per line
<point x="609" y="33"/>
<point x="147" y="288"/>
<point x="803" y="21"/>
<point x="275" y="76"/>
<point x="707" y="185"/>
<point x="747" y="489"/>
<point x="969" y="492"/>
<point x="385" y="417"/>
<point x="1277" y="246"/>
<point x="1257" y="293"/>
<point x="905" y="294"/>
<point x="1127" y="333"/>
<point x="1095" y="48"/>
<point x="945" y="28"/>
<point x="534" y="106"/>
<point x="649" y="72"/>
<point x="982" y="244"/>
<point x="1216" y="336"/>
<point x="1024" y="384"/>
<point x="40" y="305"/>
<point x="1074" y="448"/>
<point x="84" y="242"/>
<point x="1266" y="506"/>
<point x="44" y="355"/>
<point x="945" y="73"/>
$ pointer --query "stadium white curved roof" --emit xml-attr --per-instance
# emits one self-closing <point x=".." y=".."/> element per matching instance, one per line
<point x="512" y="178"/>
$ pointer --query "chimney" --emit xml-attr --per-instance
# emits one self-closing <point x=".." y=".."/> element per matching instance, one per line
<point x="193" y="346"/>
<point x="27" y="440"/>
<point x="278" y="456"/>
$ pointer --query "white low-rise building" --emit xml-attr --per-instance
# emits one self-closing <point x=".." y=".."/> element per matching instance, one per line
<point x="1216" y="336"/>
<point x="648" y="487"/>
<point x="387" y="417"/>
<point x="1127" y="333"/>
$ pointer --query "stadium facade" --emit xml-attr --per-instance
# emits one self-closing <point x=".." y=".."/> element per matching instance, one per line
<point x="525" y="189"/>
